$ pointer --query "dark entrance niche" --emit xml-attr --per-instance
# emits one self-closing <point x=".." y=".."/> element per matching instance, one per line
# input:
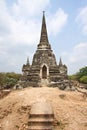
<point x="44" y="72"/>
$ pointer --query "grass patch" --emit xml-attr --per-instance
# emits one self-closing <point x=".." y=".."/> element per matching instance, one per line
<point x="17" y="126"/>
<point x="59" y="125"/>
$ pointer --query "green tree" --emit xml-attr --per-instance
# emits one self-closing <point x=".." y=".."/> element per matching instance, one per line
<point x="83" y="79"/>
<point x="81" y="76"/>
<point x="9" y="79"/>
<point x="72" y="77"/>
<point x="2" y="76"/>
<point x="82" y="72"/>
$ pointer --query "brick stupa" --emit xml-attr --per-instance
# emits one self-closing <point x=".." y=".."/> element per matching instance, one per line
<point x="44" y="69"/>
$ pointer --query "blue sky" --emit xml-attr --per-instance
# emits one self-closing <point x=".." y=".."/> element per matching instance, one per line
<point x="20" y="26"/>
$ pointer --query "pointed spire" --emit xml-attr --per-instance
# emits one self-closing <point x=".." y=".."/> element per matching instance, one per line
<point x="44" y="43"/>
<point x="44" y="37"/>
<point x="60" y="62"/>
<point x="27" y="61"/>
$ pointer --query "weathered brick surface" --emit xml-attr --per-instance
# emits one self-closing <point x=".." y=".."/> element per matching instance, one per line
<point x="44" y="65"/>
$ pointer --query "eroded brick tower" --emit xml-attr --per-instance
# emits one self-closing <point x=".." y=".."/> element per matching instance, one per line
<point x="44" y="69"/>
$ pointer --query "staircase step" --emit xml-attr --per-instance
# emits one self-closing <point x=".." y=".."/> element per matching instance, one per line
<point x="39" y="115"/>
<point x="40" y="120"/>
<point x="40" y="123"/>
<point x="40" y="128"/>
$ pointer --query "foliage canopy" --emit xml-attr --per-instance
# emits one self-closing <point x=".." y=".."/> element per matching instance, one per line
<point x="8" y="80"/>
<point x="81" y="76"/>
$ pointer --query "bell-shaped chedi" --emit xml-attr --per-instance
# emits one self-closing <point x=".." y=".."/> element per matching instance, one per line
<point x="44" y="54"/>
<point x="44" y="70"/>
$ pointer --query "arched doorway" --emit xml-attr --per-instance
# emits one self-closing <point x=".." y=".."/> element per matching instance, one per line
<point x="44" y="72"/>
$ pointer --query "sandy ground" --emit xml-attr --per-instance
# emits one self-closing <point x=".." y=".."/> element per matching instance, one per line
<point x="70" y="108"/>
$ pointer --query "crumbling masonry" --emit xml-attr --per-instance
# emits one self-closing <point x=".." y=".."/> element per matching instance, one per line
<point x="44" y="70"/>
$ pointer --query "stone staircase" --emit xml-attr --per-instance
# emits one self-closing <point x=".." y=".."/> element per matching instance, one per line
<point x="44" y="82"/>
<point x="41" y="117"/>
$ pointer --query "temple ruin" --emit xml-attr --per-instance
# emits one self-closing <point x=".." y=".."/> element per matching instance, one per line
<point x="44" y="70"/>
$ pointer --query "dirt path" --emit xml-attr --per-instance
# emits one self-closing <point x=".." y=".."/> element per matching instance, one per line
<point x="70" y="108"/>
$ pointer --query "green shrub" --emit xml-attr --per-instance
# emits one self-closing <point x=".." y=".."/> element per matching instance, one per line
<point x="9" y="79"/>
<point x="83" y="79"/>
<point x="80" y="76"/>
<point x="72" y="77"/>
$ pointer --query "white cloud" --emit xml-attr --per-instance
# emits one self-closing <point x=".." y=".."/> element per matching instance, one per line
<point x="29" y="8"/>
<point x="82" y="19"/>
<point x="64" y="53"/>
<point x="5" y="20"/>
<point x="3" y="50"/>
<point x="16" y="31"/>
<point x="20" y="29"/>
<point x="76" y="58"/>
<point x="57" y="21"/>
<point x="24" y="33"/>
<point x="79" y="53"/>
